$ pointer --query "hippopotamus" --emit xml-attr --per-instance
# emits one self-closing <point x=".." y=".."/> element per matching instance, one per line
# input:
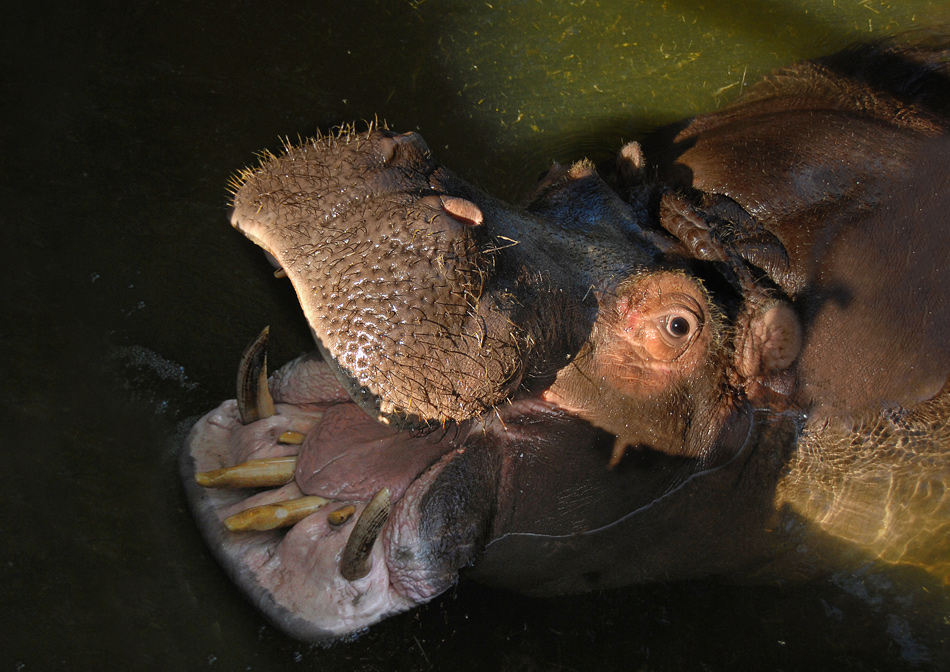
<point x="726" y="355"/>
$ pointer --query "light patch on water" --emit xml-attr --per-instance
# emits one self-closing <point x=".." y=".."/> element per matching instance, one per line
<point x="151" y="379"/>
<point x="149" y="360"/>
<point x="832" y="611"/>
<point x="879" y="592"/>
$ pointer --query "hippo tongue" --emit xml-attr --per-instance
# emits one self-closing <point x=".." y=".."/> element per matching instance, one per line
<point x="349" y="456"/>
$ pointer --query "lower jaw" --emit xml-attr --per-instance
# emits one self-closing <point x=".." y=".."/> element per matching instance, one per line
<point x="300" y="575"/>
<point x="297" y="563"/>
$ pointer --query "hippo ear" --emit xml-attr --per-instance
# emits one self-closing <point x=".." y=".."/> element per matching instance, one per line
<point x="631" y="166"/>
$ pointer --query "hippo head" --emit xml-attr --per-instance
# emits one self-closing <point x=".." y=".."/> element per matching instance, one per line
<point x="435" y="303"/>
<point x="497" y="386"/>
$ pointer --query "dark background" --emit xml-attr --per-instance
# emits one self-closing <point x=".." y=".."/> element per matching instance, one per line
<point x="127" y="300"/>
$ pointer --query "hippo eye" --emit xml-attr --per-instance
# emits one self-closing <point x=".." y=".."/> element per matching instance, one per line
<point x="678" y="328"/>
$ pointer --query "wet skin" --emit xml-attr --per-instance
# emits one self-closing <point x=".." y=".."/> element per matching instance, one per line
<point x="725" y="355"/>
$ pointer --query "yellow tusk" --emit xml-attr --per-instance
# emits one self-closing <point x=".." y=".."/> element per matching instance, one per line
<point x="267" y="473"/>
<point x="273" y="516"/>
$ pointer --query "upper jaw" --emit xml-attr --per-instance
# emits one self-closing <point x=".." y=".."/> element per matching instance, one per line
<point x="408" y="278"/>
<point x="390" y="257"/>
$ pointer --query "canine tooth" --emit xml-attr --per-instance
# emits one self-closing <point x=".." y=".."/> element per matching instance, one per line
<point x="357" y="558"/>
<point x="341" y="515"/>
<point x="267" y="473"/>
<point x="280" y="273"/>
<point x="253" y="397"/>
<point x="273" y="516"/>
<point x="291" y="438"/>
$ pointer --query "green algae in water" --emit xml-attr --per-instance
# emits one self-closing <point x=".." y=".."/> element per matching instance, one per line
<point x="571" y="79"/>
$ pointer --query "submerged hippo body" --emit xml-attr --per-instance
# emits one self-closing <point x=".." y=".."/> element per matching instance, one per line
<point x="725" y="356"/>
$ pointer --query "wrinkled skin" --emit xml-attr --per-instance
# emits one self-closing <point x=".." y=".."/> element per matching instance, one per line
<point x="724" y="356"/>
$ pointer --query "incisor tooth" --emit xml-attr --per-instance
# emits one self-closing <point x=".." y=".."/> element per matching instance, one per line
<point x="253" y="396"/>
<point x="267" y="473"/>
<point x="341" y="515"/>
<point x="291" y="438"/>
<point x="273" y="516"/>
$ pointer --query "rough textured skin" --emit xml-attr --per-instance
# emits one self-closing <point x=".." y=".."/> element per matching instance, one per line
<point x="725" y="355"/>
<point x="410" y="288"/>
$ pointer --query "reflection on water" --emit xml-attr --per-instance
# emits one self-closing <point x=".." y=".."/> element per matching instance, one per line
<point x="128" y="301"/>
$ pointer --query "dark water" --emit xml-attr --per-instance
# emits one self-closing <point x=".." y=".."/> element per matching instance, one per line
<point x="127" y="300"/>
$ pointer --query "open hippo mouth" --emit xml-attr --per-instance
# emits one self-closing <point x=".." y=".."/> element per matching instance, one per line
<point x="313" y="506"/>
